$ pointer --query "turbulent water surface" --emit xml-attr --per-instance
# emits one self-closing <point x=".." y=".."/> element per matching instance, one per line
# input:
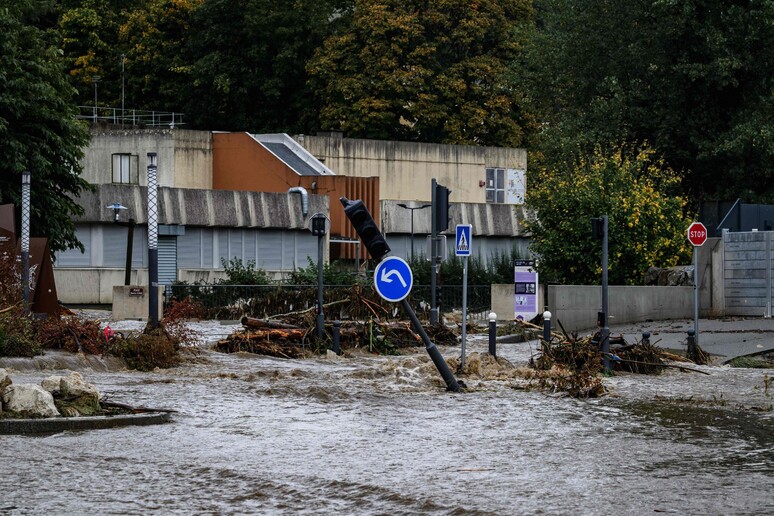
<point x="379" y="435"/>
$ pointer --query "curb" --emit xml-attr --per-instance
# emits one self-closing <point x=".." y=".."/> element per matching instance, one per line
<point x="62" y="424"/>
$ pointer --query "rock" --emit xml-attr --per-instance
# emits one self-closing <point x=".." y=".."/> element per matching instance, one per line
<point x="52" y="384"/>
<point x="75" y="385"/>
<point x="77" y="397"/>
<point x="29" y="400"/>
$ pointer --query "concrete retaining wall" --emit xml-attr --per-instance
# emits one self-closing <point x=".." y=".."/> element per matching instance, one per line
<point x="576" y="306"/>
<point x="503" y="302"/>
<point x="132" y="302"/>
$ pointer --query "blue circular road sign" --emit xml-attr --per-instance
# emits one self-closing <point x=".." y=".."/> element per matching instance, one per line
<point x="393" y="279"/>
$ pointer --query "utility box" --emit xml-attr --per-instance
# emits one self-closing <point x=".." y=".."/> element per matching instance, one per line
<point x="131" y="302"/>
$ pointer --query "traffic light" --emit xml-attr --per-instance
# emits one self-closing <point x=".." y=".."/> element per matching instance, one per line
<point x="441" y="208"/>
<point x="597" y="228"/>
<point x="318" y="225"/>
<point x="366" y="228"/>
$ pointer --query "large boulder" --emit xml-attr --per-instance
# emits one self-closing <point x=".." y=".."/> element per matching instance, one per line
<point x="29" y="400"/>
<point x="5" y="381"/>
<point x="72" y="394"/>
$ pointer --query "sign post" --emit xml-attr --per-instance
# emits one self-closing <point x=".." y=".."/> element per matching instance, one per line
<point x="697" y="235"/>
<point x="463" y="247"/>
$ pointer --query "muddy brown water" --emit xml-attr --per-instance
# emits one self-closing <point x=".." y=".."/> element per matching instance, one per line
<point x="378" y="435"/>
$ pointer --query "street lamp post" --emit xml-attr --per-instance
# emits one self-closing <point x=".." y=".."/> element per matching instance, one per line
<point x="153" y="242"/>
<point x="412" y="208"/>
<point x="25" y="239"/>
<point x="116" y="207"/>
<point x="95" y="79"/>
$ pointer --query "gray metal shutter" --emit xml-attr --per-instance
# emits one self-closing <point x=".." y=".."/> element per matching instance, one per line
<point x="190" y="246"/>
<point x="167" y="260"/>
<point x="74" y="257"/>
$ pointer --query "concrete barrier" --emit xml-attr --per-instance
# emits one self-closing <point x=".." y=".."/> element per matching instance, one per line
<point x="131" y="302"/>
<point x="576" y="306"/>
<point x="504" y="303"/>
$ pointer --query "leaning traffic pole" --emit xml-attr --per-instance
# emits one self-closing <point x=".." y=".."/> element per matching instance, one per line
<point x="374" y="241"/>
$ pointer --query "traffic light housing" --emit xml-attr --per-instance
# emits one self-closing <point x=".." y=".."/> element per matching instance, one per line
<point x="318" y="225"/>
<point x="441" y="207"/>
<point x="597" y="228"/>
<point x="366" y="228"/>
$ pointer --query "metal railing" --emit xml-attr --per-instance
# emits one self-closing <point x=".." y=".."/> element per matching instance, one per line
<point x="261" y="301"/>
<point x="131" y="117"/>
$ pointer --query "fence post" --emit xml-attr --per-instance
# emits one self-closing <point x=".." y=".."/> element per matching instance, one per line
<point x="336" y="329"/>
<point x="493" y="334"/>
<point x="691" y="342"/>
<point x="646" y="338"/>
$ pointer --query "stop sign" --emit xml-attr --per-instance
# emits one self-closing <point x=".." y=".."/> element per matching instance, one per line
<point x="697" y="234"/>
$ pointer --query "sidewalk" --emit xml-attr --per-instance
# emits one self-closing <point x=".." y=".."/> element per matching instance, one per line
<point x="727" y="338"/>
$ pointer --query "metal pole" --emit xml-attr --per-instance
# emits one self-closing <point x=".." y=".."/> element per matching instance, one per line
<point x="129" y="245"/>
<point x="123" y="62"/>
<point x="605" y="332"/>
<point x="412" y="235"/>
<point x="336" y="332"/>
<point x="493" y="334"/>
<point x="432" y="350"/>
<point x="320" y="316"/>
<point x="464" y="307"/>
<point x="433" y="251"/>
<point x="696" y="292"/>
<point x="153" y="242"/>
<point x="25" y="240"/>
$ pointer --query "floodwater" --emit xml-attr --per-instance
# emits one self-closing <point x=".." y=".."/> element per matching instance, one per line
<point x="379" y="435"/>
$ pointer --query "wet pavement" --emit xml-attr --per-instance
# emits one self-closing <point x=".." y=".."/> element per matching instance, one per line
<point x="724" y="338"/>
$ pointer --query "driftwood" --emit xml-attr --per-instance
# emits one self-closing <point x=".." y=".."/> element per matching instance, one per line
<point x="252" y="322"/>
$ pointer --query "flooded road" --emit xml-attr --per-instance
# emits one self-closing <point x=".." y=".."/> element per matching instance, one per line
<point x="378" y="435"/>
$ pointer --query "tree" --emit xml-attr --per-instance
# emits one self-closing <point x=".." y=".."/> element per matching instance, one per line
<point x="692" y="78"/>
<point x="433" y="71"/>
<point x="38" y="127"/>
<point x="629" y="185"/>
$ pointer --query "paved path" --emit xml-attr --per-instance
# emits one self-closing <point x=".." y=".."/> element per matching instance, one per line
<point x="727" y="338"/>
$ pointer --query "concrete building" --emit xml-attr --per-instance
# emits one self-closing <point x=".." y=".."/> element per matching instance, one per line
<point x="226" y="195"/>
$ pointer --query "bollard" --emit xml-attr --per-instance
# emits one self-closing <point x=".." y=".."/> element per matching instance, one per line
<point x="336" y="346"/>
<point x="547" y="326"/>
<point x="691" y="343"/>
<point x="493" y="334"/>
<point x="646" y="338"/>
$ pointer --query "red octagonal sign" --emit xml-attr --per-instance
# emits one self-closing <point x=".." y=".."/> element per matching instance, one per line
<point x="697" y="234"/>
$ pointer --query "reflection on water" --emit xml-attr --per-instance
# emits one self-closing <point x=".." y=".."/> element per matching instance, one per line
<point x="378" y="435"/>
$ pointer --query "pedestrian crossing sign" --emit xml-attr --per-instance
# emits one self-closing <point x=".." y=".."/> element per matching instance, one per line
<point x="463" y="243"/>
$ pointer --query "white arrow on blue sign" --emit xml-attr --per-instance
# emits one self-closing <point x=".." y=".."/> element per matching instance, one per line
<point x="464" y="241"/>
<point x="393" y="279"/>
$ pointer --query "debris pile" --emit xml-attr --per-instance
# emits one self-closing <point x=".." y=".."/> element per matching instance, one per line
<point x="292" y="337"/>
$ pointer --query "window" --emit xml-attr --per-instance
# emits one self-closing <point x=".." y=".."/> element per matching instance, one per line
<point x="505" y="185"/>
<point x="124" y="169"/>
<point x="495" y="185"/>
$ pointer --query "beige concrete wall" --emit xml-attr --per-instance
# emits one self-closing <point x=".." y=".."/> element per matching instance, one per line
<point x="88" y="286"/>
<point x="576" y="306"/>
<point x="405" y="169"/>
<point x="184" y="156"/>
<point x="133" y="302"/>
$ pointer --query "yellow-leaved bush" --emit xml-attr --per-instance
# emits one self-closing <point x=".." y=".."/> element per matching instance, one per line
<point x="634" y="188"/>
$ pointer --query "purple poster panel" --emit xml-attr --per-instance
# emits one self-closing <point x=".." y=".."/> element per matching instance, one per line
<point x="525" y="293"/>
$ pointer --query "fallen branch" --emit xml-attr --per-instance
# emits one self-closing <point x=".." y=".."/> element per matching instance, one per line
<point x="314" y="307"/>
<point x="618" y="359"/>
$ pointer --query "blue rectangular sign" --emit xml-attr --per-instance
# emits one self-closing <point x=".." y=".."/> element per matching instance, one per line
<point x="463" y="243"/>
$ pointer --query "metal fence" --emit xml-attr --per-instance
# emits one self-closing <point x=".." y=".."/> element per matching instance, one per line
<point x="234" y="301"/>
<point x="132" y="117"/>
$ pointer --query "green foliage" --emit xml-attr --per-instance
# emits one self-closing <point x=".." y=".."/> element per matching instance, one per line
<point x="237" y="273"/>
<point x="38" y="128"/>
<point x="498" y="269"/>
<point x="334" y="273"/>
<point x="17" y="335"/>
<point x="432" y="71"/>
<point x="629" y="185"/>
<point x="692" y="78"/>
<point x="147" y="351"/>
